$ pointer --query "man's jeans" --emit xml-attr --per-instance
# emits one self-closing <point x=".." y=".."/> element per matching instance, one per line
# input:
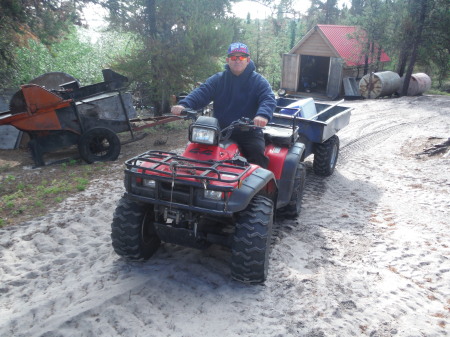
<point x="252" y="145"/>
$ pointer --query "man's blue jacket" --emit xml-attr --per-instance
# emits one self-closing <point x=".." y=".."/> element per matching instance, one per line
<point x="234" y="97"/>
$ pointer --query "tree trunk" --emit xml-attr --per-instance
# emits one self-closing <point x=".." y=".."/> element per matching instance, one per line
<point x="366" y="60"/>
<point x="416" y="43"/>
<point x="403" y="60"/>
<point x="379" y="57"/>
<point x="151" y="17"/>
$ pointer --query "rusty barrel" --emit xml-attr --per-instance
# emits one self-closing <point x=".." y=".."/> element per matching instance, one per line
<point x="379" y="84"/>
<point x="418" y="84"/>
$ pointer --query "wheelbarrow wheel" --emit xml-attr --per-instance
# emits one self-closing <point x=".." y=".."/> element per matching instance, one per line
<point x="99" y="144"/>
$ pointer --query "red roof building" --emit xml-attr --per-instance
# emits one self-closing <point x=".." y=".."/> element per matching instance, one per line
<point x="349" y="42"/>
<point x="325" y="57"/>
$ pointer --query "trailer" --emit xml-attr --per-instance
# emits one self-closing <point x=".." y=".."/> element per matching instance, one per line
<point x="86" y="116"/>
<point x="313" y="124"/>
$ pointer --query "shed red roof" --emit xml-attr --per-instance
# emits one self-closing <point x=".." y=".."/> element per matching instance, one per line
<point x="348" y="41"/>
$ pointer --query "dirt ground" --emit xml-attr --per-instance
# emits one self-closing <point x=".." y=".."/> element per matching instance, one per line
<point x="20" y="165"/>
<point x="369" y="254"/>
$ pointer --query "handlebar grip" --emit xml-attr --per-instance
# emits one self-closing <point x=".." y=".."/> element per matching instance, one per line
<point x="189" y="114"/>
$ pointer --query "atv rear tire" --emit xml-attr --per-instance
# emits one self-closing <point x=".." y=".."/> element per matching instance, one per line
<point x="251" y="242"/>
<point x="325" y="156"/>
<point x="99" y="144"/>
<point x="292" y="210"/>
<point x="132" y="231"/>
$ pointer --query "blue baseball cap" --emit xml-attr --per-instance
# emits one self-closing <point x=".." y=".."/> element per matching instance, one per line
<point x="237" y="47"/>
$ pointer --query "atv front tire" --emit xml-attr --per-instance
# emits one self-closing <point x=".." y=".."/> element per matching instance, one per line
<point x="292" y="210"/>
<point x="325" y="156"/>
<point x="132" y="231"/>
<point x="251" y="241"/>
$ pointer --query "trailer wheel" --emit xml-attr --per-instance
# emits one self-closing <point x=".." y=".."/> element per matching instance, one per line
<point x="292" y="210"/>
<point x="251" y="241"/>
<point x="325" y="156"/>
<point x="132" y="231"/>
<point x="99" y="144"/>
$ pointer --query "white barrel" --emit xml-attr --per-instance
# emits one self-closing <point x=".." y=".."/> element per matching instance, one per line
<point x="418" y="84"/>
<point x="379" y="84"/>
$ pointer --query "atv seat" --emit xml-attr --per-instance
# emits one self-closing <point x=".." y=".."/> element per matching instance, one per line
<point x="280" y="134"/>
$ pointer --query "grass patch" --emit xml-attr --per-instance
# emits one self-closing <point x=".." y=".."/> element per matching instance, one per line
<point x="4" y="168"/>
<point x="23" y="198"/>
<point x="81" y="184"/>
<point x="437" y="92"/>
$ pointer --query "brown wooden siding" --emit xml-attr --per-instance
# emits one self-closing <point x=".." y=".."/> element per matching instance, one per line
<point x="290" y="71"/>
<point x="350" y="72"/>
<point x="353" y="71"/>
<point x="316" y="46"/>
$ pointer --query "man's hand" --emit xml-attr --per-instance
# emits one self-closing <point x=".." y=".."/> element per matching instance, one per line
<point x="260" y="121"/>
<point x="176" y="109"/>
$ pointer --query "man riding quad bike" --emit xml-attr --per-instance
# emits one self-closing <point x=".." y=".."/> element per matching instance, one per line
<point x="211" y="195"/>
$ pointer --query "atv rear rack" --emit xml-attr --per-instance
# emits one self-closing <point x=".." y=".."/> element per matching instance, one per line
<point x="171" y="165"/>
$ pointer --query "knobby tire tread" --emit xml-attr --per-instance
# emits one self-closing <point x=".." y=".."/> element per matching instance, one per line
<point x="251" y="242"/>
<point x="127" y="231"/>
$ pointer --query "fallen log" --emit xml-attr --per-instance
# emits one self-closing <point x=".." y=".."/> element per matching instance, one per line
<point x="436" y="149"/>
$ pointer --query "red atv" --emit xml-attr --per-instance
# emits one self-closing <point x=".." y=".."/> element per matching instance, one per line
<point x="211" y="195"/>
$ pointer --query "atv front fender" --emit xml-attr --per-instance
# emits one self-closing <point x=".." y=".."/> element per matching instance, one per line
<point x="261" y="181"/>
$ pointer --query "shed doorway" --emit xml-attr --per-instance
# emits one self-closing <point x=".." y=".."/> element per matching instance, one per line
<point x="314" y="72"/>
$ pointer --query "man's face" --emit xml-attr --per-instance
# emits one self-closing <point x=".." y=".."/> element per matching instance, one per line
<point x="238" y="62"/>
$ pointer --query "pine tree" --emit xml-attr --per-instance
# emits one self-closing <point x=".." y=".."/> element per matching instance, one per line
<point x="182" y="41"/>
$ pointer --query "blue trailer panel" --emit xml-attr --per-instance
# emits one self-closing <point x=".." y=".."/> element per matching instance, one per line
<point x="330" y="118"/>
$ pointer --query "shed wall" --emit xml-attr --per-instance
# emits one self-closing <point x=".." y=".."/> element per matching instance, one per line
<point x="353" y="71"/>
<point x="290" y="71"/>
<point x="316" y="46"/>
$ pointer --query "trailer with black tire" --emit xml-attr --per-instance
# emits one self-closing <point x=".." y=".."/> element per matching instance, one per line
<point x="317" y="125"/>
<point x="56" y="114"/>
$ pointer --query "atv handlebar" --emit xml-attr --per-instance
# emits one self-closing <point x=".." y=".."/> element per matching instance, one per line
<point x="185" y="114"/>
<point x="189" y="114"/>
<point x="243" y="124"/>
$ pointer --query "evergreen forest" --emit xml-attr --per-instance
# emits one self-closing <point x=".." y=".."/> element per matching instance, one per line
<point x="167" y="46"/>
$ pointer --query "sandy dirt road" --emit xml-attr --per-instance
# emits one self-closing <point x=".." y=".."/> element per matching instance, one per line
<point x="368" y="256"/>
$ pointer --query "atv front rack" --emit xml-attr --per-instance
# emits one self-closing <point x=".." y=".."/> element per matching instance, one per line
<point x="170" y="181"/>
<point x="170" y="165"/>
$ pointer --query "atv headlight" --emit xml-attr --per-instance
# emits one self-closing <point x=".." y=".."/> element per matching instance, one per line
<point x="213" y="195"/>
<point x="203" y="135"/>
<point x="205" y="130"/>
<point x="149" y="183"/>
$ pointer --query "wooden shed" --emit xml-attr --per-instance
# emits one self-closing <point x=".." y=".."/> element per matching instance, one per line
<point x="326" y="58"/>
